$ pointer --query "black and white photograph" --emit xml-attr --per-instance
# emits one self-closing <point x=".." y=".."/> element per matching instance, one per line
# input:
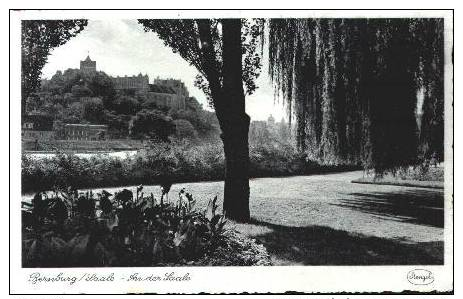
<point x="158" y="150"/>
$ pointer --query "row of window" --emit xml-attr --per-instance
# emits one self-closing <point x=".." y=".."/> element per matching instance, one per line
<point x="83" y="133"/>
<point x="81" y="138"/>
<point x="77" y="133"/>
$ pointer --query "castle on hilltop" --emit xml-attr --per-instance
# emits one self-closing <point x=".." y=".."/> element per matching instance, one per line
<point x="164" y="92"/>
<point x="88" y="65"/>
<point x="41" y="127"/>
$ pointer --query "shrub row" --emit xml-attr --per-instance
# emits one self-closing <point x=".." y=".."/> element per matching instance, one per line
<point x="177" y="162"/>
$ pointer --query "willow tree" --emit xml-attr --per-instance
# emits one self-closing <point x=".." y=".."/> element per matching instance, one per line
<point x="351" y="85"/>
<point x="224" y="52"/>
<point x="430" y="75"/>
<point x="38" y="38"/>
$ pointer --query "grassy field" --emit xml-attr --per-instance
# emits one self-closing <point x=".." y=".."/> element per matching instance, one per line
<point x="327" y="220"/>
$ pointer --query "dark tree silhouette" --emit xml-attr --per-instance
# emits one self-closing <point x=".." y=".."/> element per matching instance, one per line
<point x="38" y="38"/>
<point x="152" y="124"/>
<point x="352" y="85"/>
<point x="225" y="54"/>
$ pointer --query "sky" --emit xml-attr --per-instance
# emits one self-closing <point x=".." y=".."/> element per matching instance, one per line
<point x="122" y="47"/>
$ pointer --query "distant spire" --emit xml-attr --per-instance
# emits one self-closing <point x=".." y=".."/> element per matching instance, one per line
<point x="88" y="56"/>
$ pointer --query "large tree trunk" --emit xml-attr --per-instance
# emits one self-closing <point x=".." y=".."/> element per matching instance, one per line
<point x="229" y="104"/>
<point x="235" y="125"/>
<point x="236" y="193"/>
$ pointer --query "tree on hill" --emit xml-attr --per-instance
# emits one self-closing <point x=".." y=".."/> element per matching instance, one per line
<point x="102" y="86"/>
<point x="93" y="110"/>
<point x="72" y="114"/>
<point x="198" y="118"/>
<point x="38" y="38"/>
<point x="225" y="54"/>
<point x="118" y="124"/>
<point x="152" y="124"/>
<point x="185" y="130"/>
<point x="97" y="84"/>
<point x="125" y="105"/>
<point x="79" y="91"/>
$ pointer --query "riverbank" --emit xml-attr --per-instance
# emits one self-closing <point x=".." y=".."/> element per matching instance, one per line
<point x="84" y="145"/>
<point x="176" y="163"/>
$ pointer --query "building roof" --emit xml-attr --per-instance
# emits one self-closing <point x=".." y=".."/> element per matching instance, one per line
<point x="41" y="122"/>
<point x="88" y="59"/>
<point x="87" y="125"/>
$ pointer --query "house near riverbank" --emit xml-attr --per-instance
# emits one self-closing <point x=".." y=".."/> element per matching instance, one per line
<point x="37" y="126"/>
<point x="38" y="129"/>
<point x="34" y="128"/>
<point x="86" y="132"/>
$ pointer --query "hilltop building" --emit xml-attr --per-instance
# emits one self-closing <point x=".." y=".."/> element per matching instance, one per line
<point x="177" y="86"/>
<point x="88" y="65"/>
<point x="163" y="92"/>
<point x="138" y="83"/>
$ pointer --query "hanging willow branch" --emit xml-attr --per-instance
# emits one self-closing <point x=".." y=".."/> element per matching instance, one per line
<point x="351" y="87"/>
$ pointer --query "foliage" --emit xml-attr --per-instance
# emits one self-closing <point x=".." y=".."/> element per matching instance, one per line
<point x="93" y="110"/>
<point x="126" y="105"/>
<point x="421" y="172"/>
<point x="178" y="161"/>
<point x="79" y="97"/>
<point x="79" y="91"/>
<point x="184" y="129"/>
<point x="72" y="114"/>
<point x="38" y="38"/>
<point x="183" y="37"/>
<point x="102" y="86"/>
<point x="352" y="85"/>
<point x="118" y="124"/>
<point x="152" y="124"/>
<point x="204" y="122"/>
<point x="72" y="229"/>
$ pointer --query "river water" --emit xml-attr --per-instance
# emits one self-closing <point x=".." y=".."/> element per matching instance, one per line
<point x="114" y="154"/>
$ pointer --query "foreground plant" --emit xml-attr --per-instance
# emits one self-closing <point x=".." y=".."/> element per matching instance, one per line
<point x="69" y="229"/>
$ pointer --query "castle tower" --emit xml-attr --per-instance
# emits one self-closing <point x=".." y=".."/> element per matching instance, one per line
<point x="88" y="65"/>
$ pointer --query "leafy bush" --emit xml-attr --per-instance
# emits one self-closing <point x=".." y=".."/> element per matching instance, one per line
<point x="420" y="172"/>
<point x="179" y="162"/>
<point x="276" y="159"/>
<point x="72" y="229"/>
<point x="153" y="124"/>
